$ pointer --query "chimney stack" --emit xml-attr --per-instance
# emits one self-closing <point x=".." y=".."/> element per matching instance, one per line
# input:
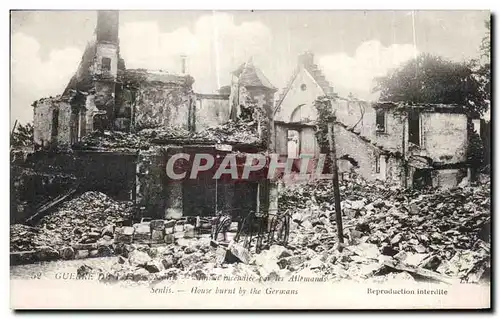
<point x="184" y="64"/>
<point x="107" y="26"/>
<point x="306" y="59"/>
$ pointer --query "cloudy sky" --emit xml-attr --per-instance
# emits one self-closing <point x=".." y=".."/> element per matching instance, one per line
<point x="352" y="47"/>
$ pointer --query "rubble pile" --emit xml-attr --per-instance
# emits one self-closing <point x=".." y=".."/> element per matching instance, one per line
<point x="140" y="262"/>
<point x="26" y="238"/>
<point x="446" y="232"/>
<point x="81" y="219"/>
<point x="114" y="140"/>
<point x="231" y="132"/>
<point x="431" y="235"/>
<point x="434" y="236"/>
<point x="200" y="259"/>
<point x="173" y="132"/>
<point x="321" y="191"/>
<point x="227" y="133"/>
<point x="78" y="221"/>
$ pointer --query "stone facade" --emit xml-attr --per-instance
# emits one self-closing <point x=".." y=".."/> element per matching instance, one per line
<point x="387" y="141"/>
<point x="297" y="106"/>
<point x="54" y="121"/>
<point x="158" y="99"/>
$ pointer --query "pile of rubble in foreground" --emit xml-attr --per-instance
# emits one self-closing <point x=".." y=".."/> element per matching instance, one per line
<point x="433" y="232"/>
<point x="439" y="236"/>
<point x="77" y="221"/>
<point x="435" y="236"/>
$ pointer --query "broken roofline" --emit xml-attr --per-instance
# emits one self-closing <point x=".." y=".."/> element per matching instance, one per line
<point x="152" y="76"/>
<point x="193" y="142"/>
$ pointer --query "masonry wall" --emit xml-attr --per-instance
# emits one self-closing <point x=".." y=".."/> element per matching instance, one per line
<point x="281" y="138"/>
<point x="394" y="170"/>
<point x="395" y="126"/>
<point x="42" y="119"/>
<point x="43" y="126"/>
<point x="355" y="115"/>
<point x="106" y="50"/>
<point x="361" y="118"/>
<point x="64" y="130"/>
<point x="105" y="96"/>
<point x="125" y="99"/>
<point x="308" y="142"/>
<point x="445" y="137"/>
<point x="298" y="104"/>
<point x="349" y="144"/>
<point x="262" y="96"/>
<point x="150" y="180"/>
<point x="211" y="110"/>
<point x="264" y="100"/>
<point x="448" y="178"/>
<point x="162" y="105"/>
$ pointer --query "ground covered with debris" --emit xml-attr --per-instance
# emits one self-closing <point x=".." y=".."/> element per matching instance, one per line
<point x="437" y="236"/>
<point x="427" y="233"/>
<point x="80" y="220"/>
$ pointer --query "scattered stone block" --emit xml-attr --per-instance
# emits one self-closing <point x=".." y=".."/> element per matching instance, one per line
<point x="169" y="238"/>
<point x="138" y="258"/>
<point x="179" y="234"/>
<point x="47" y="254"/>
<point x="178" y="228"/>
<point x="152" y="267"/>
<point x="158" y="224"/>
<point x="67" y="253"/>
<point x="237" y="253"/>
<point x="169" y="223"/>
<point x="157" y="235"/>
<point x="81" y="254"/>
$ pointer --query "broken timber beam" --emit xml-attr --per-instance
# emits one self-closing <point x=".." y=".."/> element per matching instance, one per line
<point x="44" y="209"/>
<point x="335" y="182"/>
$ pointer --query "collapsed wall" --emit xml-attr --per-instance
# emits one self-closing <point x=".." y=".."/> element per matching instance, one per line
<point x="370" y="161"/>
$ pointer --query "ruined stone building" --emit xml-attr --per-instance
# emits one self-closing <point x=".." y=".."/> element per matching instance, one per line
<point x="115" y="129"/>
<point x="406" y="145"/>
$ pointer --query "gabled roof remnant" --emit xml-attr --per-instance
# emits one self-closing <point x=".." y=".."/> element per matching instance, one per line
<point x="82" y="79"/>
<point x="250" y="75"/>
<point x="306" y="62"/>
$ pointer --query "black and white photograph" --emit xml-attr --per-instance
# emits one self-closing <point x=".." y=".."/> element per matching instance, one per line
<point x="253" y="159"/>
